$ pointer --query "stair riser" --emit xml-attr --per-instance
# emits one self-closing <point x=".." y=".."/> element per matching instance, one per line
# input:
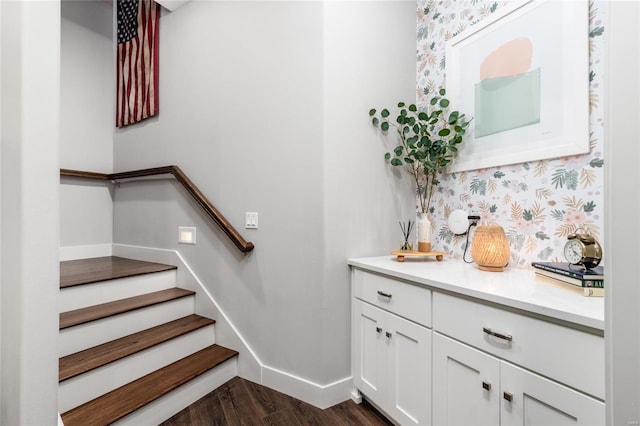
<point x="170" y="404"/>
<point x="80" y="337"/>
<point x="83" y="388"/>
<point x="81" y="296"/>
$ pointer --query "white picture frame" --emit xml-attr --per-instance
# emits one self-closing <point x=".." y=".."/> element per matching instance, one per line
<point x="503" y="102"/>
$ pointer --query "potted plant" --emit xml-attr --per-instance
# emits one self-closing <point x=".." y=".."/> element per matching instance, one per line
<point x="429" y="141"/>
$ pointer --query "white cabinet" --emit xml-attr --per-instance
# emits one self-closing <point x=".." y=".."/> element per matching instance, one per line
<point x="531" y="400"/>
<point x="568" y="355"/>
<point x="473" y="387"/>
<point x="392" y="358"/>
<point x="446" y="344"/>
<point x="466" y="384"/>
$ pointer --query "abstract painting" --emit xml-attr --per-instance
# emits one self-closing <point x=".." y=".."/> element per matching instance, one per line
<point x="523" y="76"/>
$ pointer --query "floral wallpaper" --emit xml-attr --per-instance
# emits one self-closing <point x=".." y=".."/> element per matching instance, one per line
<point x="537" y="203"/>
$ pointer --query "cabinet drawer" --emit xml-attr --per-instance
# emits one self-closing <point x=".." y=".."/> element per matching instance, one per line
<point x="570" y="356"/>
<point x="403" y="299"/>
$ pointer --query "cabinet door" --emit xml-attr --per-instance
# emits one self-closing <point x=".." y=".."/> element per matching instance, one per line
<point x="408" y="371"/>
<point x="369" y="350"/>
<point x="539" y="401"/>
<point x="466" y="384"/>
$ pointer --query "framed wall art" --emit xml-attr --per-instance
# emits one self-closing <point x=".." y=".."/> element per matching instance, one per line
<point x="524" y="78"/>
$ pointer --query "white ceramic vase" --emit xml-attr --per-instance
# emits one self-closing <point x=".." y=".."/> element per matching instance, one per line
<point x="424" y="233"/>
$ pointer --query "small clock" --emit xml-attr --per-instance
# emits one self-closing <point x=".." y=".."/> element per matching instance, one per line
<point x="582" y="249"/>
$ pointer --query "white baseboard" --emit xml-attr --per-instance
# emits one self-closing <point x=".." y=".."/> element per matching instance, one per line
<point x="305" y="390"/>
<point x="85" y="252"/>
<point x="250" y="366"/>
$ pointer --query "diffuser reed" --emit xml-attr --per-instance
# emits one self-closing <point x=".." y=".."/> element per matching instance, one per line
<point x="406" y="232"/>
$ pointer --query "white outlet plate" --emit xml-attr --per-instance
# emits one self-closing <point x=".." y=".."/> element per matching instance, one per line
<point x="251" y="220"/>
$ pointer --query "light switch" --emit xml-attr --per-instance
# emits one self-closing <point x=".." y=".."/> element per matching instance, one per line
<point x="251" y="220"/>
<point x="186" y="235"/>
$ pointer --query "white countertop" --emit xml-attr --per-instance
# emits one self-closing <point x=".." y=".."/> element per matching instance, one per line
<point x="516" y="288"/>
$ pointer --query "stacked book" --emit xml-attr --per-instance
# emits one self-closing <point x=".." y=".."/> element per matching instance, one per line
<point x="591" y="281"/>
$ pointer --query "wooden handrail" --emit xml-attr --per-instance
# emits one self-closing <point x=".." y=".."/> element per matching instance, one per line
<point x="215" y="215"/>
<point x="82" y="174"/>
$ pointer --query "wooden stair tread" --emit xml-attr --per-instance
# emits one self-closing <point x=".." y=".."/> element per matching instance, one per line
<point x="104" y="310"/>
<point x="87" y="271"/>
<point x="89" y="359"/>
<point x="126" y="399"/>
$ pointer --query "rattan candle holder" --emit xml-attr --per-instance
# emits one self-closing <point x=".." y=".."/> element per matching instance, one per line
<point x="490" y="248"/>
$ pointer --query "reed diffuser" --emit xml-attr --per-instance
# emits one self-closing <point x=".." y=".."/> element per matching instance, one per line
<point x="406" y="232"/>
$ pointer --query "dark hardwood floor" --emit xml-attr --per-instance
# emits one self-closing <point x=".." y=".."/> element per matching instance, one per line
<point x="241" y="402"/>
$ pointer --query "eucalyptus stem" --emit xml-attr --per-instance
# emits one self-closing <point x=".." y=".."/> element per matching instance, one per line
<point x="428" y="140"/>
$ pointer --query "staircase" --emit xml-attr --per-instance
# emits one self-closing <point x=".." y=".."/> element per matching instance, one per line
<point x="132" y="350"/>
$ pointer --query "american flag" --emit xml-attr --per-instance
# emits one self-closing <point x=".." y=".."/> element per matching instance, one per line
<point x="137" y="67"/>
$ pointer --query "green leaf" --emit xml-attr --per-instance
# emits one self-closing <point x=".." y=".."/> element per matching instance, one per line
<point x="384" y="113"/>
<point x="541" y="236"/>
<point x="442" y="92"/>
<point x="433" y="101"/>
<point x="375" y="121"/>
<point x="596" y="162"/>
<point x="400" y="104"/>
<point x="398" y="150"/>
<point x="372" y="112"/>
<point x="403" y="112"/>
<point x="400" y="119"/>
<point x="453" y="148"/>
<point x="444" y="132"/>
<point x="423" y="116"/>
<point x="408" y="160"/>
<point x="387" y="156"/>
<point x="412" y="108"/>
<point x="384" y="126"/>
<point x="396" y="162"/>
<point x="444" y="103"/>
<point x="453" y="117"/>
<point x="406" y="130"/>
<point x="416" y="129"/>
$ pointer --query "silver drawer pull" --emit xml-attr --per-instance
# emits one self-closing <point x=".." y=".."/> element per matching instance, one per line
<point x="490" y="332"/>
<point x="383" y="294"/>
<point x="486" y="385"/>
<point x="508" y="396"/>
<point x="378" y="330"/>
<point x="388" y="334"/>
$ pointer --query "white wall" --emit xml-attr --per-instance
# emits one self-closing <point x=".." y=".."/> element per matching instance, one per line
<point x="29" y="226"/>
<point x="264" y="105"/>
<point x="622" y="334"/>
<point x="367" y="63"/>
<point x="87" y="121"/>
